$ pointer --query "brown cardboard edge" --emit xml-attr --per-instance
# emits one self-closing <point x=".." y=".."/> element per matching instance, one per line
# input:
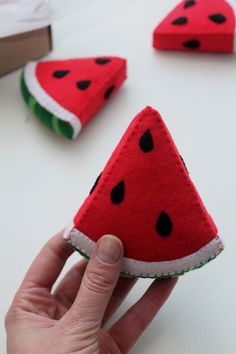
<point x="10" y="61"/>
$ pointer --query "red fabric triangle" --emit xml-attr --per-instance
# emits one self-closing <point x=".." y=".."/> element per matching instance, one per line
<point x="81" y="86"/>
<point x="145" y="197"/>
<point x="197" y="25"/>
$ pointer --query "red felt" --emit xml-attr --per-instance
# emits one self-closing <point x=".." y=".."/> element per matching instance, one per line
<point x="83" y="103"/>
<point x="213" y="37"/>
<point x="155" y="181"/>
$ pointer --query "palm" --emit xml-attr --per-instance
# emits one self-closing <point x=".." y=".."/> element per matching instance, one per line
<point x="41" y="311"/>
<point x="45" y="305"/>
<point x="40" y="335"/>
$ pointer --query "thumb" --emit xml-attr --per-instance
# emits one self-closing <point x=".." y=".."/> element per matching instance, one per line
<point x="99" y="281"/>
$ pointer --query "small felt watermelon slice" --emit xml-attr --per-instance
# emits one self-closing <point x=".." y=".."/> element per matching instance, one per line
<point x="65" y="94"/>
<point x="199" y="26"/>
<point x="145" y="196"/>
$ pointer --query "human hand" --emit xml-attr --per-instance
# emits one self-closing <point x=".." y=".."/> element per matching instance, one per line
<point x="70" y="319"/>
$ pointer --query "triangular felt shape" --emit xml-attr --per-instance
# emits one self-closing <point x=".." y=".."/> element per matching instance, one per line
<point x="65" y="94"/>
<point x="198" y="26"/>
<point x="145" y="196"/>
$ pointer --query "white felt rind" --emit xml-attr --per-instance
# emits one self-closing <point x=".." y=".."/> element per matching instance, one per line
<point x="47" y="101"/>
<point x="150" y="269"/>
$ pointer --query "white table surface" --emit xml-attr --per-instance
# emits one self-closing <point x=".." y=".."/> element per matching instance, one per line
<point x="45" y="178"/>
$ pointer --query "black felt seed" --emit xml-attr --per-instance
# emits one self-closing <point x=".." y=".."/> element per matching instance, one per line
<point x="118" y="193"/>
<point x="164" y="225"/>
<point x="184" y="163"/>
<point x="82" y="85"/>
<point x="95" y="184"/>
<point x="217" y="18"/>
<point x="192" y="44"/>
<point x="102" y="61"/>
<point x="109" y="92"/>
<point x="180" y="21"/>
<point x="146" y="141"/>
<point x="189" y="3"/>
<point x="59" y="74"/>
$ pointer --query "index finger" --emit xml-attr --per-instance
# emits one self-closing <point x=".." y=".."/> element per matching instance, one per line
<point x="48" y="264"/>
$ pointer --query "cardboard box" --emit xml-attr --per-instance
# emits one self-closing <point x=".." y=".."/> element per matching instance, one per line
<point x="16" y="50"/>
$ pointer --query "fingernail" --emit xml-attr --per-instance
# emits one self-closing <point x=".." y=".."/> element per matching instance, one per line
<point x="109" y="249"/>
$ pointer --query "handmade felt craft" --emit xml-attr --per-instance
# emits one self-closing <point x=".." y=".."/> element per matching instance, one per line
<point x="198" y="26"/>
<point x="65" y="94"/>
<point x="145" y="196"/>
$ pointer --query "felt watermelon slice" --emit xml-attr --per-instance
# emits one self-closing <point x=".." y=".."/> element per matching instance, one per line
<point x="65" y="94"/>
<point x="145" y="196"/>
<point x="199" y="26"/>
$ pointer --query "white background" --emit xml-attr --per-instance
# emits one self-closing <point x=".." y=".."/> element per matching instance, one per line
<point x="45" y="178"/>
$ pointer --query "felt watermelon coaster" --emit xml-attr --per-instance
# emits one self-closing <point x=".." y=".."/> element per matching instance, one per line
<point x="65" y="94"/>
<point x="198" y="26"/>
<point x="145" y="196"/>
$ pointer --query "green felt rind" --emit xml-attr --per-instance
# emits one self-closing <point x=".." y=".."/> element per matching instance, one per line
<point x="128" y="275"/>
<point x="57" y="125"/>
